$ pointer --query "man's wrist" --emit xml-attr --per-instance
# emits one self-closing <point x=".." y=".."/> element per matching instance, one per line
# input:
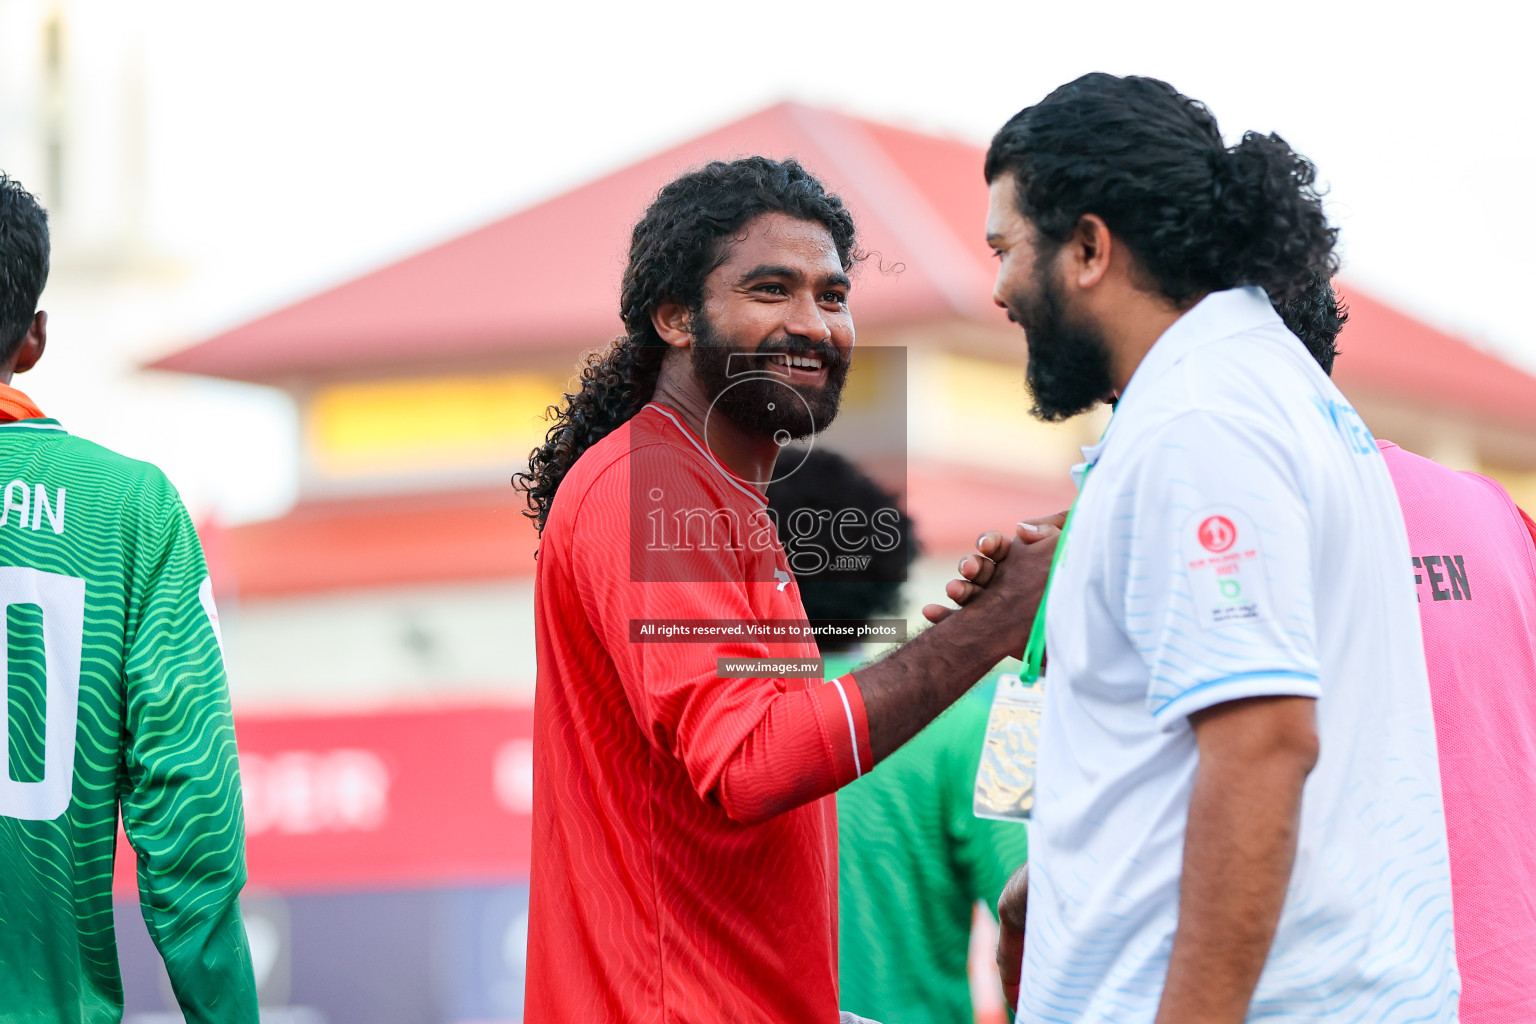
<point x="989" y="622"/>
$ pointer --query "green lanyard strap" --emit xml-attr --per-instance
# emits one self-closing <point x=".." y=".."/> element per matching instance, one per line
<point x="1034" y="650"/>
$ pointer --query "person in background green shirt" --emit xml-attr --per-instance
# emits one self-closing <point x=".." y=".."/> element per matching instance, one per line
<point x="913" y="860"/>
<point x="112" y="695"/>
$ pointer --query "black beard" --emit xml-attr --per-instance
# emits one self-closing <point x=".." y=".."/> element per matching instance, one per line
<point x="755" y="399"/>
<point x="1069" y="364"/>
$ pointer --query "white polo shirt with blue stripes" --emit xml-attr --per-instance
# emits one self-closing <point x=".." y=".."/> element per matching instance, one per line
<point x="1238" y="536"/>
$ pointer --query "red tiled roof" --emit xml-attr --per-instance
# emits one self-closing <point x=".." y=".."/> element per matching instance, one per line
<point x="951" y="504"/>
<point x="380" y="541"/>
<point x="548" y="276"/>
<point x="478" y="535"/>
<point x="1387" y="352"/>
<point x="545" y="280"/>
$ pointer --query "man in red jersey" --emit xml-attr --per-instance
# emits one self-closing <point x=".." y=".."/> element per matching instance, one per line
<point x="685" y="849"/>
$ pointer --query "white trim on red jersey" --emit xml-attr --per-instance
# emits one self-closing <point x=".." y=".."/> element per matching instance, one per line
<point x="853" y="730"/>
<point x="735" y="481"/>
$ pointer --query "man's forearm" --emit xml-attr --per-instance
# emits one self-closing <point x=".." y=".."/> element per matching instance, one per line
<point x="1239" y="848"/>
<point x="908" y="689"/>
<point x="777" y="766"/>
<point x="806" y="747"/>
<point x="1012" y="912"/>
<point x="770" y="770"/>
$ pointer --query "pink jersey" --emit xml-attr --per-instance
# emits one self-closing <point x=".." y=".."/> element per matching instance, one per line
<point x="1474" y="561"/>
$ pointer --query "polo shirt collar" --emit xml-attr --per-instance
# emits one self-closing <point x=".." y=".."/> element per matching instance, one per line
<point x="1219" y="315"/>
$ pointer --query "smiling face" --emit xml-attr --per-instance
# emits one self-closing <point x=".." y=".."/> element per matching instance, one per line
<point x="772" y="343"/>
<point x="1070" y="366"/>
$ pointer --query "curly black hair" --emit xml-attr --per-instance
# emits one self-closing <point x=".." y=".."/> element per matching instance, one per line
<point x="1316" y="317"/>
<point x="683" y="236"/>
<point x="23" y="261"/>
<point x="1198" y="216"/>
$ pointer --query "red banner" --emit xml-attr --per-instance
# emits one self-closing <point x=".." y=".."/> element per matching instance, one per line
<point x="417" y="799"/>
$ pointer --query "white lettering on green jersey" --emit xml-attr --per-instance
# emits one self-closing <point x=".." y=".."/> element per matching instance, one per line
<point x="18" y="495"/>
<point x="112" y="694"/>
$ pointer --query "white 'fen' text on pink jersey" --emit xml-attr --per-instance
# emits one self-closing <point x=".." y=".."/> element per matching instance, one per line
<point x="1237" y="535"/>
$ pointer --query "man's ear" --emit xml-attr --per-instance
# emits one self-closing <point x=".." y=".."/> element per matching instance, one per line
<point x="1089" y="251"/>
<point x="673" y="323"/>
<point x="32" y="344"/>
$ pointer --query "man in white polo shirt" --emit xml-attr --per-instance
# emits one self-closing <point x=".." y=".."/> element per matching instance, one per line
<point x="1238" y="812"/>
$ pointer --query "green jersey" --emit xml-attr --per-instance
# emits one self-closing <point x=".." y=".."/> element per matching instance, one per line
<point x="912" y="862"/>
<point x="112" y="693"/>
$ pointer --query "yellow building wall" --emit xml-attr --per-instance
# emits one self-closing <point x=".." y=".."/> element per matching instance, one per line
<point x="1521" y="486"/>
<point x="925" y="404"/>
<point x="398" y="428"/>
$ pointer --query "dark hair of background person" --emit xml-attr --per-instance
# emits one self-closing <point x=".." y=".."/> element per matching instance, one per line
<point x="23" y="261"/>
<point x="1197" y="215"/>
<point x="682" y="237"/>
<point x="1316" y="317"/>
<point x="828" y="482"/>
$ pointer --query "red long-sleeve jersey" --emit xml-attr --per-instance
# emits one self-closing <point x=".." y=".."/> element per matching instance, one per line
<point x="684" y="839"/>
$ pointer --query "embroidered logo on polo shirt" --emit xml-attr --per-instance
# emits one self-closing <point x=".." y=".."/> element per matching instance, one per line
<point x="1217" y="534"/>
<point x="1227" y="580"/>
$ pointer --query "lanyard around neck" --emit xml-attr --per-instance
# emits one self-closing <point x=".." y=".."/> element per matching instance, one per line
<point x="1034" y="650"/>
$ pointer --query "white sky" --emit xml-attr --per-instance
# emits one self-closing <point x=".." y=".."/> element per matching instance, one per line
<point x="297" y="142"/>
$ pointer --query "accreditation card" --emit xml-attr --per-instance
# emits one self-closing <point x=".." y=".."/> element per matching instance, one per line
<point x="1005" y="782"/>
